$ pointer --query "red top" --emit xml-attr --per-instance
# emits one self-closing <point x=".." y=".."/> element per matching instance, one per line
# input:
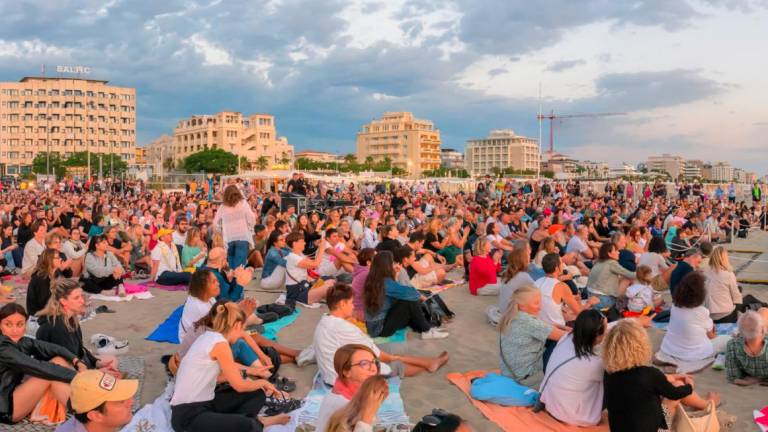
<point x="482" y="271"/>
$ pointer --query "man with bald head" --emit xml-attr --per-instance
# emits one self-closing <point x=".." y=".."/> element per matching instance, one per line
<point x="231" y="282"/>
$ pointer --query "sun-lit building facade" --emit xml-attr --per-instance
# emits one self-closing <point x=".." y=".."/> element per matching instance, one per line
<point x="410" y="143"/>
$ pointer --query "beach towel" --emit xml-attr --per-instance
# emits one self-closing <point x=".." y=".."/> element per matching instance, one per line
<point x="516" y="418"/>
<point x="153" y="284"/>
<point x="48" y="411"/>
<point x="725" y="329"/>
<point x="155" y="416"/>
<point x="145" y="295"/>
<point x="392" y="411"/>
<point x="400" y="336"/>
<point x="761" y="419"/>
<point x="271" y="329"/>
<point x="131" y="288"/>
<point x="168" y="330"/>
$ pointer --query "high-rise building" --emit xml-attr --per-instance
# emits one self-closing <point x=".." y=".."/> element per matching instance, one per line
<point x="502" y="149"/>
<point x="451" y="159"/>
<point x="693" y="169"/>
<point x="667" y="163"/>
<point x="64" y="115"/>
<point x="411" y="144"/>
<point x="252" y="137"/>
<point x="722" y="171"/>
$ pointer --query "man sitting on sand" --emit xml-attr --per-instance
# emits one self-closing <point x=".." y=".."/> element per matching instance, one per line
<point x="746" y="355"/>
<point x="334" y="330"/>
<point x="100" y="402"/>
<point x="166" y="263"/>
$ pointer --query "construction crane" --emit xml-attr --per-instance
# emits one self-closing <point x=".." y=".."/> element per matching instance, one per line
<point x="552" y="117"/>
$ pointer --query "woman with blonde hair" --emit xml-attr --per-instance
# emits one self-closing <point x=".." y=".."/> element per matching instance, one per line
<point x="724" y="299"/>
<point x="522" y="337"/>
<point x="237" y="220"/>
<point x="194" y="252"/>
<point x="638" y="396"/>
<point x="485" y="264"/>
<point x="196" y="406"/>
<point x="515" y="277"/>
<point x="360" y="413"/>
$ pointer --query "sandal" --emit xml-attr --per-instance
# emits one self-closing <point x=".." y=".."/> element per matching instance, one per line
<point x="285" y="385"/>
<point x="281" y="406"/>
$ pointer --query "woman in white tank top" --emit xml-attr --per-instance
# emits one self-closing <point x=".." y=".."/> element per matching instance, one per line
<point x="196" y="406"/>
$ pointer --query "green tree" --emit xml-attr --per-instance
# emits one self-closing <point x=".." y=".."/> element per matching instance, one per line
<point x="40" y="164"/>
<point x="262" y="163"/>
<point x="368" y="162"/>
<point x="169" y="163"/>
<point x="350" y="159"/>
<point x="285" y="160"/>
<point x="109" y="162"/>
<point x="215" y="161"/>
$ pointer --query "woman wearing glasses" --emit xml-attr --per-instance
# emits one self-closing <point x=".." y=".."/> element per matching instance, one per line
<point x="354" y="363"/>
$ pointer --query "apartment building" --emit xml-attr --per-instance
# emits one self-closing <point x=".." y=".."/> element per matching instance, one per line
<point x="451" y="159"/>
<point x="501" y="149"/>
<point x="671" y="164"/>
<point x="64" y="115"/>
<point x="158" y="151"/>
<point x="722" y="171"/>
<point x="410" y="143"/>
<point x="252" y="137"/>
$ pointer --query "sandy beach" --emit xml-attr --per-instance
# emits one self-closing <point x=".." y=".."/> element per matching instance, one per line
<point x="473" y="345"/>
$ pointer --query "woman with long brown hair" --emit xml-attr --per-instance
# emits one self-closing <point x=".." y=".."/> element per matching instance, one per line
<point x="389" y="305"/>
<point x="237" y="221"/>
<point x="45" y="272"/>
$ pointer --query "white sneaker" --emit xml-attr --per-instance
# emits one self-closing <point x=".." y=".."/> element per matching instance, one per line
<point x="719" y="362"/>
<point x="434" y="333"/>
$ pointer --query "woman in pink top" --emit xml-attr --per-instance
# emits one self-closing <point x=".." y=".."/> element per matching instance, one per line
<point x="483" y="268"/>
<point x="237" y="222"/>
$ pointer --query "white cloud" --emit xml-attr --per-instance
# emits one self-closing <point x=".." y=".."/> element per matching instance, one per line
<point x="212" y="54"/>
<point x="30" y="49"/>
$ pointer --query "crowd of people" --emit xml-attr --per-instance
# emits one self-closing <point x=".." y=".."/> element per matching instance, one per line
<point x="578" y="273"/>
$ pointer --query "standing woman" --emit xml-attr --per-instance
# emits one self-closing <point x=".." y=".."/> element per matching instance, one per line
<point x="196" y="406"/>
<point x="39" y="289"/>
<point x="30" y="367"/>
<point x="237" y="222"/>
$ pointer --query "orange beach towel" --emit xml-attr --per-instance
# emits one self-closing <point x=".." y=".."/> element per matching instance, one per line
<point x="48" y="411"/>
<point x="516" y="418"/>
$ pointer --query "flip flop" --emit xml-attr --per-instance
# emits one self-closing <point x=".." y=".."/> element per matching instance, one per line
<point x="103" y="309"/>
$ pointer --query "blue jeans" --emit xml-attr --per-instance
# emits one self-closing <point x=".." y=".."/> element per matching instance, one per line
<point x="10" y="263"/>
<point x="237" y="253"/>
<point x="243" y="354"/>
<point x="170" y="278"/>
<point x="606" y="301"/>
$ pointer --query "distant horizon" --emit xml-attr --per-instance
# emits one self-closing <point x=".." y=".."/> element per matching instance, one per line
<point x="325" y="68"/>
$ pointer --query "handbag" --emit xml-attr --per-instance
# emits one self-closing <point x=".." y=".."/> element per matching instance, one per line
<point x="707" y="422"/>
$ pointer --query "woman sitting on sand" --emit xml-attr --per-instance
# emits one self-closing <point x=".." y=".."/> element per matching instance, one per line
<point x="724" y="299"/>
<point x="354" y="363"/>
<point x="273" y="273"/>
<point x="522" y="337"/>
<point x="60" y="324"/>
<point x="103" y="271"/>
<point x="30" y="367"/>
<point x="690" y="337"/>
<point x="46" y="271"/>
<point x="638" y="396"/>
<point x="196" y="406"/>
<point x="359" y="414"/>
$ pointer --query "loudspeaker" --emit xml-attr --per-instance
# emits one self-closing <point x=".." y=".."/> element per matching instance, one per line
<point x="297" y="201"/>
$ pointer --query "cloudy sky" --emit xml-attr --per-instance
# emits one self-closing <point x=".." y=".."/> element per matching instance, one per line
<point x="692" y="75"/>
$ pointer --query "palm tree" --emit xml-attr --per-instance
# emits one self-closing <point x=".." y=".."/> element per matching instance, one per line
<point x="169" y="163"/>
<point x="350" y="159"/>
<point x="262" y="163"/>
<point x="369" y="162"/>
<point x="285" y="160"/>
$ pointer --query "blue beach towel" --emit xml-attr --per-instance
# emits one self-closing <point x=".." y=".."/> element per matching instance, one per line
<point x="725" y="329"/>
<point x="399" y="336"/>
<point x="168" y="331"/>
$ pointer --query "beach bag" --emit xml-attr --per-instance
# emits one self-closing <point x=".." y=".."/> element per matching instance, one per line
<point x="280" y="310"/>
<point x="706" y="422"/>
<point x="433" y="318"/>
<point x="438" y="306"/>
<point x="503" y="391"/>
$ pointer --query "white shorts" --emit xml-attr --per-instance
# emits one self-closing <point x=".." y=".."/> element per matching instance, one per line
<point x="275" y="281"/>
<point x="328" y="269"/>
<point x="424" y="280"/>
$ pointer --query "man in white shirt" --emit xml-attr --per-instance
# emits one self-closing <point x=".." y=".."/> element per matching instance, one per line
<point x="34" y="247"/>
<point x="180" y="233"/>
<point x="335" y="330"/>
<point x="166" y="265"/>
<point x="579" y="243"/>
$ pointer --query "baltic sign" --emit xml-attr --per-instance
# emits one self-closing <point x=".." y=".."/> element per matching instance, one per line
<point x="73" y="69"/>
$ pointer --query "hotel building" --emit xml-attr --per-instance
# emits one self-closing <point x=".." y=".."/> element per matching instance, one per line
<point x="502" y="149"/>
<point x="410" y="143"/>
<point x="251" y="137"/>
<point x="64" y="115"/>
<point x="671" y="164"/>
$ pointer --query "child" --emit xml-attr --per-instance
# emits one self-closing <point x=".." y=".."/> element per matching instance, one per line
<point x="640" y="295"/>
